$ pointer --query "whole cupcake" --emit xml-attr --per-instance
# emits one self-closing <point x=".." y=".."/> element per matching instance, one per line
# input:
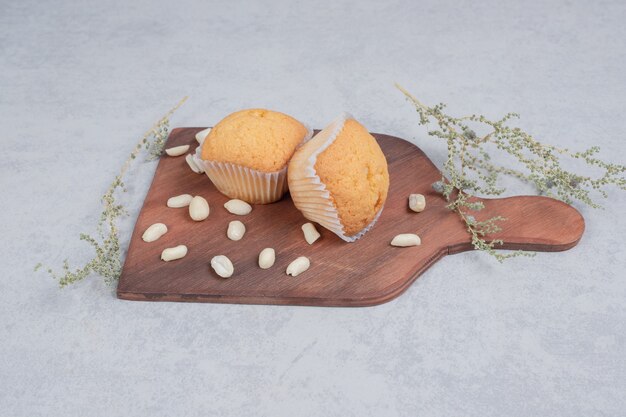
<point x="339" y="179"/>
<point x="246" y="154"/>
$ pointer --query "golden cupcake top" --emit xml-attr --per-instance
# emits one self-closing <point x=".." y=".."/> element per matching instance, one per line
<point x="354" y="170"/>
<point x="259" y="139"/>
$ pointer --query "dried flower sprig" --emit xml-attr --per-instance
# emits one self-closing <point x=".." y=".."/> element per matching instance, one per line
<point x="108" y="258"/>
<point x="469" y="169"/>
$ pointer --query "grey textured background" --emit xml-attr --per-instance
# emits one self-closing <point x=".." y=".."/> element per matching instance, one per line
<point x="81" y="81"/>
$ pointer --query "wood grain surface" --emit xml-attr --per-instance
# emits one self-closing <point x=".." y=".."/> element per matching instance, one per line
<point x="364" y="273"/>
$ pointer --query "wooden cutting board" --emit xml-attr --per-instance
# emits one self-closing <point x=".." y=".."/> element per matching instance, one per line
<point x="364" y="273"/>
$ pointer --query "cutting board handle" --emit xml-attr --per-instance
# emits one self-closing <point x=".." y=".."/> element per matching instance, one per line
<point x="532" y="223"/>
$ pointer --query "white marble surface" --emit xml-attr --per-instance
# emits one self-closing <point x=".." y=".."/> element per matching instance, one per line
<point x="81" y="81"/>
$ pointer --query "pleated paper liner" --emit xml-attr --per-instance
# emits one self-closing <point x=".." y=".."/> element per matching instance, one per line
<point x="308" y="192"/>
<point x="237" y="181"/>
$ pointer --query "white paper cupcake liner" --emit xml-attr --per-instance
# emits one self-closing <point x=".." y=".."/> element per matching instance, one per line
<point x="236" y="181"/>
<point x="308" y="192"/>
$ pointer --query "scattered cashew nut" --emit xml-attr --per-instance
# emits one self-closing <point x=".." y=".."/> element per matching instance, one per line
<point x="406" y="239"/>
<point x="179" y="201"/>
<point x="192" y="164"/>
<point x="201" y="135"/>
<point x="154" y="232"/>
<point x="236" y="230"/>
<point x="199" y="208"/>
<point x="417" y="202"/>
<point x="310" y="233"/>
<point x="222" y="266"/>
<point x="171" y="254"/>
<point x="267" y="257"/>
<point x="238" y="207"/>
<point x="177" y="150"/>
<point x="298" y="266"/>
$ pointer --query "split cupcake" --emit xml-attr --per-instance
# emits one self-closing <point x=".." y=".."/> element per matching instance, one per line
<point x="339" y="179"/>
<point x="246" y="154"/>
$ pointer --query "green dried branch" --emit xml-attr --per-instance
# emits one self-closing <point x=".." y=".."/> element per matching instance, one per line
<point x="107" y="261"/>
<point x="469" y="169"/>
